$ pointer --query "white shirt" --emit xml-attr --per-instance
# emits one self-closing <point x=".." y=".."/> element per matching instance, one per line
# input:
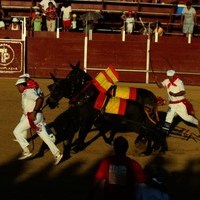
<point x="189" y="15"/>
<point x="44" y="3"/>
<point x="130" y="20"/>
<point x="66" y="12"/>
<point x="177" y="87"/>
<point x="29" y="97"/>
<point x="2" y="24"/>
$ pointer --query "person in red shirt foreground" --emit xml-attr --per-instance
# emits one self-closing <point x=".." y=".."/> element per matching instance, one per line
<point x="120" y="173"/>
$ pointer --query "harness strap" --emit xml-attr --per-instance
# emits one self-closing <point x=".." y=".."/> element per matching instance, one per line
<point x="106" y="103"/>
<point x="73" y="99"/>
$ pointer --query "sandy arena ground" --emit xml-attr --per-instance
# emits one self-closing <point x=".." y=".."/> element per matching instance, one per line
<point x="40" y="179"/>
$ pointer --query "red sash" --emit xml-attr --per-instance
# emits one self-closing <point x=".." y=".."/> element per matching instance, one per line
<point x="31" y="122"/>
<point x="188" y="105"/>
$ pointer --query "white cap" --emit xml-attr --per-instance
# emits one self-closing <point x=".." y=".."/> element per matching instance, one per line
<point x="15" y="19"/>
<point x="25" y="76"/>
<point x="20" y="81"/>
<point x="170" y="73"/>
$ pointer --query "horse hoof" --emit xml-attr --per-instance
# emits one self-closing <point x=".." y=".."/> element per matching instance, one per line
<point x="75" y="150"/>
<point x="65" y="157"/>
<point x="108" y="141"/>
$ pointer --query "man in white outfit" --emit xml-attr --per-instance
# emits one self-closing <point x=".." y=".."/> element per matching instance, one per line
<point x="188" y="18"/>
<point x="177" y="103"/>
<point x="32" y="117"/>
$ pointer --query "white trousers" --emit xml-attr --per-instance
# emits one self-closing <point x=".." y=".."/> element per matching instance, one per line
<point x="129" y="27"/>
<point x="23" y="126"/>
<point x="51" y="25"/>
<point x="180" y="110"/>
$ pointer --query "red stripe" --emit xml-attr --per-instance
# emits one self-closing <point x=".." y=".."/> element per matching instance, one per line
<point x="122" y="106"/>
<point x="133" y="93"/>
<point x="114" y="71"/>
<point x="107" y="77"/>
<point x="98" y="86"/>
<point x="100" y="101"/>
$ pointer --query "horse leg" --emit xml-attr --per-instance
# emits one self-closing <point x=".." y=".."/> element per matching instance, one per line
<point x="67" y="143"/>
<point x="80" y="142"/>
<point x="41" y="151"/>
<point x="164" y="145"/>
<point x="102" y="133"/>
<point x="111" y="138"/>
<point x="164" y="133"/>
<point x="149" y="148"/>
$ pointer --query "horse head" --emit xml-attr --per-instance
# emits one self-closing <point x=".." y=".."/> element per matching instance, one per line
<point x="67" y="87"/>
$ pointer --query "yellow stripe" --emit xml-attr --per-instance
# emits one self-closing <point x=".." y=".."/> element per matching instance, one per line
<point x="101" y="79"/>
<point x="123" y="92"/>
<point x="111" y="75"/>
<point x="113" y="105"/>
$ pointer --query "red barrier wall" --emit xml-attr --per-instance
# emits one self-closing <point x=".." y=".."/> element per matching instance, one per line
<point x="46" y="53"/>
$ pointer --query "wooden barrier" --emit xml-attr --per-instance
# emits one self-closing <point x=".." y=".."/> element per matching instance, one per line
<point x="46" y="53"/>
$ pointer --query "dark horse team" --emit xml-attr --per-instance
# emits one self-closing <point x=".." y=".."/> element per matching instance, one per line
<point x="98" y="102"/>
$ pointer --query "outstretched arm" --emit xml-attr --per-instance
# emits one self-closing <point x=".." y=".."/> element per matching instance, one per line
<point x="158" y="83"/>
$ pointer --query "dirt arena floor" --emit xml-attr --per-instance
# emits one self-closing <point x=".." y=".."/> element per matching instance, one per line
<point x="40" y="179"/>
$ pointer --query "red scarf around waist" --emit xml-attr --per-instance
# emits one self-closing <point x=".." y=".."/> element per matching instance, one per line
<point x="31" y="122"/>
<point x="188" y="105"/>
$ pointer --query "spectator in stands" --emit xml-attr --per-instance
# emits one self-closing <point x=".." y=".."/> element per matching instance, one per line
<point x="45" y="3"/>
<point x="74" y="22"/>
<point x="188" y="18"/>
<point x="158" y="29"/>
<point x="121" y="174"/>
<point x="51" y="16"/>
<point x="65" y="15"/>
<point x="146" y="30"/>
<point x="43" y="6"/>
<point x="15" y="26"/>
<point x="36" y="19"/>
<point x="2" y="24"/>
<point x="129" y="21"/>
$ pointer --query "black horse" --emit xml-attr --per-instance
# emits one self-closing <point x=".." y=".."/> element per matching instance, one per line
<point x="77" y="86"/>
<point x="78" y="79"/>
<point x="136" y="118"/>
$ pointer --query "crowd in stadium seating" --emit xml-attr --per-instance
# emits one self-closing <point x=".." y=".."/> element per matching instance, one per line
<point x="47" y="15"/>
